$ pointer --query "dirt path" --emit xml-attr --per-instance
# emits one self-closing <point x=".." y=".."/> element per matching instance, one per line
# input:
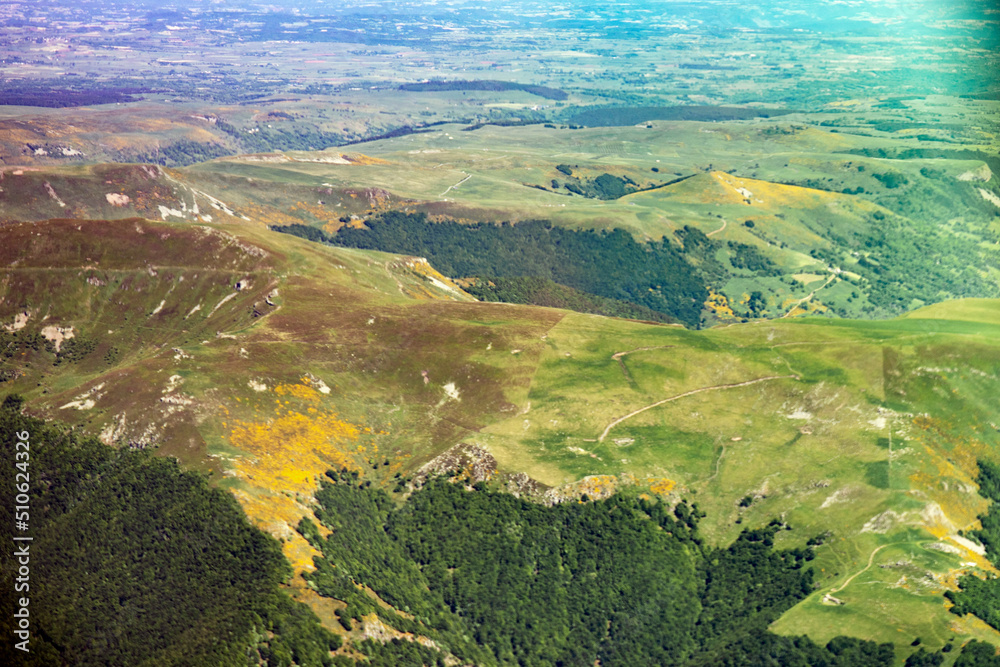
<point x="717" y="230"/>
<point x="456" y="185"/>
<point x="690" y="393"/>
<point x="808" y="296"/>
<point x="617" y="356"/>
<point x="399" y="285"/>
<point x="718" y="463"/>
<point x="871" y="559"/>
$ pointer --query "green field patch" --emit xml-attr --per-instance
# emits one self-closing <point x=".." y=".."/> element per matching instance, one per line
<point x="877" y="474"/>
<point x="687" y="454"/>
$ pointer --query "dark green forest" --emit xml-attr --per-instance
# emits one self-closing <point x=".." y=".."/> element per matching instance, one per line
<point x="603" y="187"/>
<point x="495" y="579"/>
<point x="184" y="152"/>
<point x="608" y="264"/>
<point x="981" y="596"/>
<point x="904" y="259"/>
<point x="484" y="85"/>
<point x="136" y="562"/>
<point x="542" y="292"/>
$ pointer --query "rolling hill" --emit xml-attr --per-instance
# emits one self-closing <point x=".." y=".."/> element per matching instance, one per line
<point x="815" y="218"/>
<point x="264" y="360"/>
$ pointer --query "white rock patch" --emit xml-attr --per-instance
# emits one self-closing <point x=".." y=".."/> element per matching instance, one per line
<point x="116" y="199"/>
<point x="968" y="544"/>
<point x="175" y="399"/>
<point x="932" y="514"/>
<point x="86" y="400"/>
<point x="20" y="321"/>
<point x="219" y="305"/>
<point x="57" y="334"/>
<point x="882" y="523"/>
<point x="53" y="195"/>
<point x="85" y="404"/>
<point x="451" y="391"/>
<point x="982" y="174"/>
<point x="173" y="382"/>
<point x="113" y="430"/>
<point x="838" y="496"/>
<point x="989" y="196"/>
<point x="165" y="212"/>
<point x="945" y="547"/>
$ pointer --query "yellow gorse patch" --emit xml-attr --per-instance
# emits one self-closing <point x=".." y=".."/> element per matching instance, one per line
<point x="286" y="453"/>
<point x="661" y="485"/>
<point x="300" y="391"/>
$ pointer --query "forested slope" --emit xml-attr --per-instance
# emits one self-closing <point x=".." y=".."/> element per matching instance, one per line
<point x="136" y="562"/>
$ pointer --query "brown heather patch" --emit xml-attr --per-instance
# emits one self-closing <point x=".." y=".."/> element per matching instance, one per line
<point x="126" y="244"/>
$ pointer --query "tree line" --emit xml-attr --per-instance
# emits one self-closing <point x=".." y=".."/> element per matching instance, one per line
<point x="609" y="264"/>
<point x="493" y="579"/>
<point x="137" y="562"/>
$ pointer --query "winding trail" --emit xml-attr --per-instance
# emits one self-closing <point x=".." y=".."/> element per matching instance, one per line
<point x="456" y="185"/>
<point x="718" y="464"/>
<point x="399" y="285"/>
<point x="871" y="559"/>
<point x="690" y="393"/>
<point x="717" y="230"/>
<point x="808" y="296"/>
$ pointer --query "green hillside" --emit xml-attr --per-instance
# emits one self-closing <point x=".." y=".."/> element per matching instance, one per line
<point x="801" y="213"/>
<point x="851" y="223"/>
<point x="304" y="357"/>
<point x="465" y="334"/>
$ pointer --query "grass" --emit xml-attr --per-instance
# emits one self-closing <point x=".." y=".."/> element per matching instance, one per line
<point x="536" y="387"/>
<point x="371" y="327"/>
<point x="775" y="184"/>
<point x="807" y="450"/>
